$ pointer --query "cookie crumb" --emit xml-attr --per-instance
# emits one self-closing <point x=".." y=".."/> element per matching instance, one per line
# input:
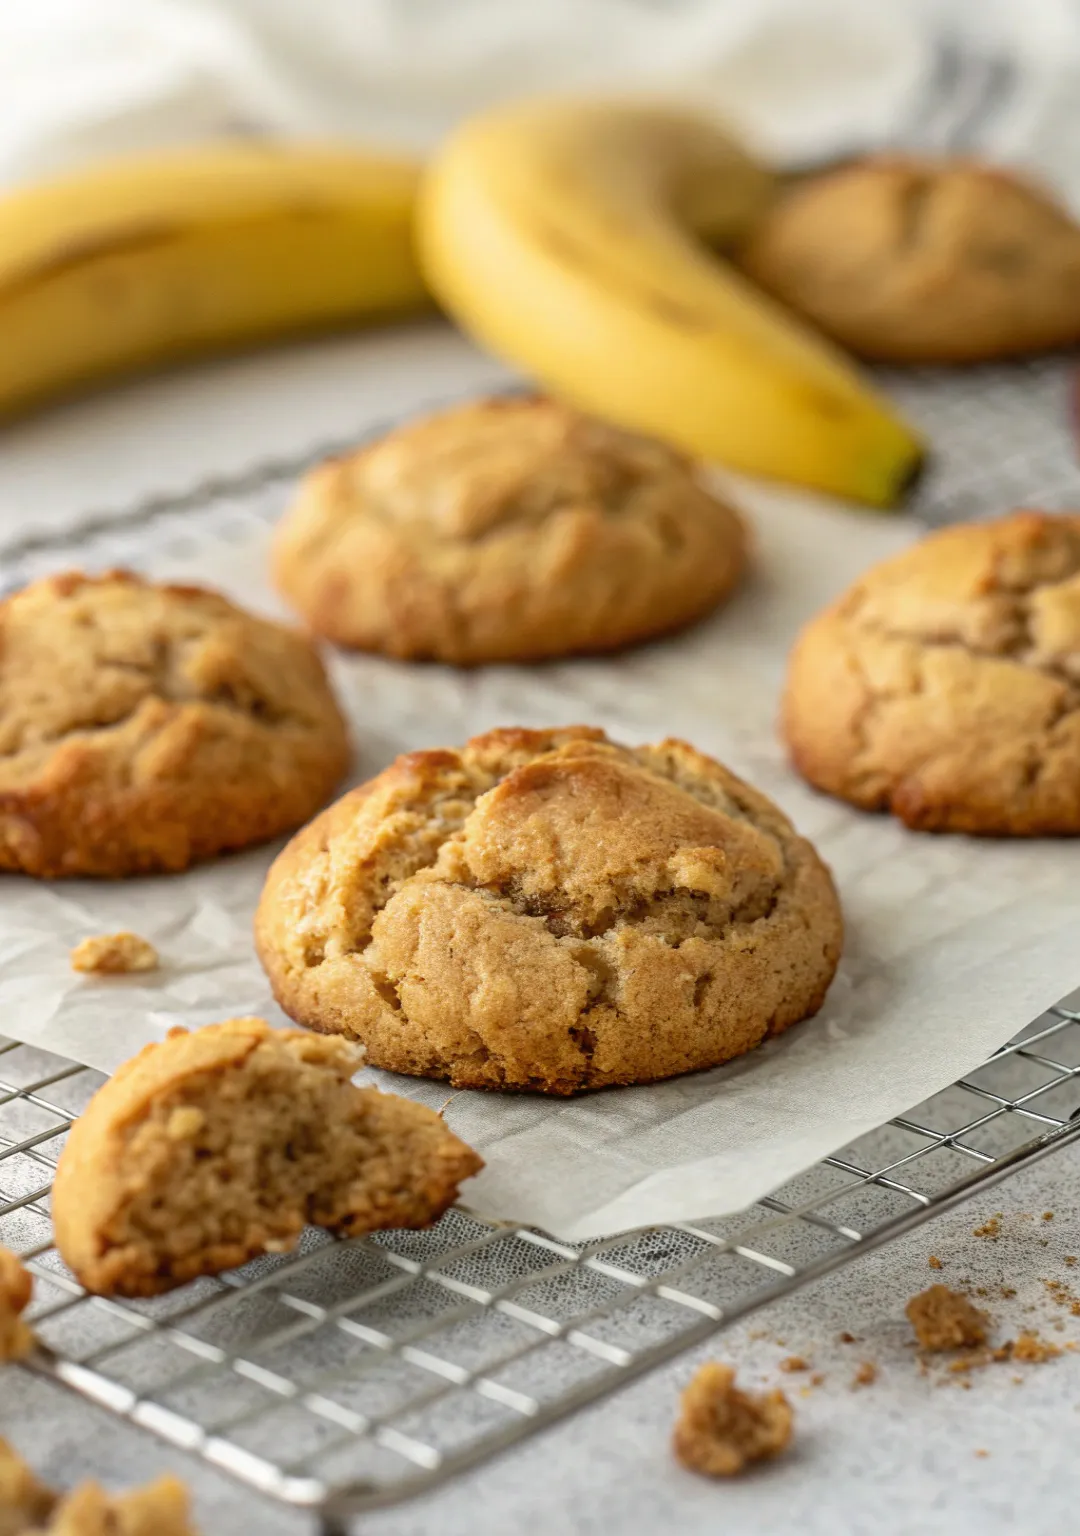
<point x="25" y="1504"/>
<point x="721" y="1429"/>
<point x="989" y="1228"/>
<point x="817" y="1378"/>
<point x="794" y="1363"/>
<point x="16" y="1286"/>
<point x="934" y="1262"/>
<point x="847" y="1338"/>
<point x="981" y="1452"/>
<point x="28" y="1506"/>
<point x="1070" y="1259"/>
<point x="865" y="1376"/>
<point x="944" y="1319"/>
<point x="114" y="954"/>
<point x="1063" y="1296"/>
<point x="1029" y="1348"/>
<point x="1048" y="1215"/>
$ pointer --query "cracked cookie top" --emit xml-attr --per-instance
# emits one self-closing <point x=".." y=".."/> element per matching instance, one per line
<point x="507" y="529"/>
<point x="549" y="910"/>
<point x="945" y="685"/>
<point x="145" y="726"/>
<point x="915" y="259"/>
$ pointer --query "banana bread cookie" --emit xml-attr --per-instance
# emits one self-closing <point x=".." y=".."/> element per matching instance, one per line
<point x="917" y="260"/>
<point x="944" y="686"/>
<point x="209" y="1148"/>
<point x="144" y="727"/>
<point x="508" y="529"/>
<point x="548" y="910"/>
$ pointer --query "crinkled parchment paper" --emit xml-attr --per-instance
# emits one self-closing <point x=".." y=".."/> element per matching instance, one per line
<point x="952" y="944"/>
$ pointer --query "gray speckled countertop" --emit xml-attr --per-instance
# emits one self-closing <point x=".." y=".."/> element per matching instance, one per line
<point x="895" y="1457"/>
<point x="899" y="1456"/>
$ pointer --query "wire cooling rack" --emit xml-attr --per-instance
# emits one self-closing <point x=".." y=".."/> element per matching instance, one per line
<point x="354" y="1374"/>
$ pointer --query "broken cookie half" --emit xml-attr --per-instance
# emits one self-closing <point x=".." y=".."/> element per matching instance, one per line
<point x="212" y="1147"/>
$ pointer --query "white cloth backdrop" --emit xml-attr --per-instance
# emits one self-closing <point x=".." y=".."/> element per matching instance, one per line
<point x="81" y="78"/>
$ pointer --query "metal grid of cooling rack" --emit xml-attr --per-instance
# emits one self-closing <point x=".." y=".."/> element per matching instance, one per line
<point x="350" y="1375"/>
<point x="1003" y="435"/>
<point x="354" y="1374"/>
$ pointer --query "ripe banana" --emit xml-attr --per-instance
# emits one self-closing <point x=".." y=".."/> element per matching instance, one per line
<point x="578" y="241"/>
<point x="143" y="260"/>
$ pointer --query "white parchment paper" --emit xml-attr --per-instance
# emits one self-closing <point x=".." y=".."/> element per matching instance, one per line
<point x="952" y="944"/>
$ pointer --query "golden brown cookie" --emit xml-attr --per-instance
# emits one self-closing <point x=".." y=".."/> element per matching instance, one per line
<point x="144" y="727"/>
<point x="548" y="910"/>
<point x="944" y="686"/>
<point x="918" y="260"/>
<point x="508" y="529"/>
<point x="211" y="1147"/>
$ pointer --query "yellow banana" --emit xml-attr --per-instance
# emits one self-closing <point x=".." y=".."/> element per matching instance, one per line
<point x="578" y="241"/>
<point x="143" y="260"/>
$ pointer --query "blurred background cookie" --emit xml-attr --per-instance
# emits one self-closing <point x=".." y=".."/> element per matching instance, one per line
<point x="914" y="259"/>
<point x="507" y="529"/>
<point x="551" y="911"/>
<point x="944" y="686"/>
<point x="144" y="727"/>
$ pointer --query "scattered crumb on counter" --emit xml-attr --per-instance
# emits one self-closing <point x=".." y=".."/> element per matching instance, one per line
<point x="1070" y="1259"/>
<point x="114" y="954"/>
<point x="721" y="1430"/>
<point x="934" y="1262"/>
<point x="1048" y="1215"/>
<point x="817" y="1378"/>
<point x="27" y="1506"/>
<point x="981" y="1452"/>
<point x="990" y="1228"/>
<point x="16" y="1340"/>
<point x="865" y="1376"/>
<point x="847" y="1338"/>
<point x="1063" y="1296"/>
<point x="1033" y="1350"/>
<point x="944" y="1319"/>
<point x="794" y="1363"/>
<point x="24" y="1502"/>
